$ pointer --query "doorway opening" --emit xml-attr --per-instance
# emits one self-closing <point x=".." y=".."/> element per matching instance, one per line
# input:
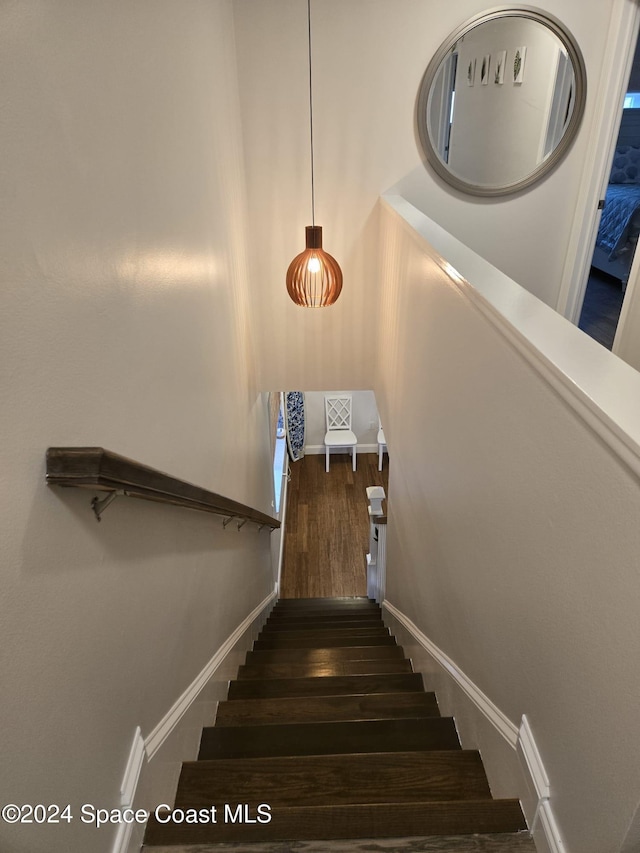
<point x="328" y="525"/>
<point x="619" y="225"/>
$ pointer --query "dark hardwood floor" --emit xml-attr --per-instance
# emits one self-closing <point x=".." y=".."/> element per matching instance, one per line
<point x="327" y="526"/>
<point x="601" y="308"/>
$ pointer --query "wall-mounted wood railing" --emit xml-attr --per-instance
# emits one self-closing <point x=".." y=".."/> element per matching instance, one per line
<point x="101" y="470"/>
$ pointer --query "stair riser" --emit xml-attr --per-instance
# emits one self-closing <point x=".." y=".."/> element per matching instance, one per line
<point x="331" y="686"/>
<point x="311" y="670"/>
<point x="325" y="656"/>
<point x="324" y="615"/>
<point x="326" y="603"/>
<point x="315" y="642"/>
<point x="331" y="603"/>
<point x="371" y="706"/>
<point x="329" y="738"/>
<point x="325" y="823"/>
<point x="335" y="625"/>
<point x="320" y="616"/>
<point x="323" y="633"/>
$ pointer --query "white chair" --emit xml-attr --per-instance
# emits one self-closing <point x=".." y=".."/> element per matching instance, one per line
<point x="338" y="418"/>
<point x="382" y="444"/>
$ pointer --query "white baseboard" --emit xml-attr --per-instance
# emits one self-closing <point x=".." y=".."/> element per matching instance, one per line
<point x="123" y="838"/>
<point x="495" y="716"/>
<point x="161" y="732"/>
<point x="128" y="789"/>
<point x="549" y="827"/>
<point x="533" y="760"/>
<point x="540" y="818"/>
<point x="315" y="449"/>
<point x="133" y="768"/>
<point x="148" y="747"/>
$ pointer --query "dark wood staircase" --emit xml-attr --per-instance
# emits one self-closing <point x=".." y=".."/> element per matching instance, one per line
<point x="328" y="733"/>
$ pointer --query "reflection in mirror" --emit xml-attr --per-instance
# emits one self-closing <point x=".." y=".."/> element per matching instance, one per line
<point x="501" y="101"/>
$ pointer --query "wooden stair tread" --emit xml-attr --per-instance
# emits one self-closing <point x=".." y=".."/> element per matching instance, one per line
<point x="313" y="641"/>
<point x="340" y="601"/>
<point x="504" y="842"/>
<point x="325" y="612"/>
<point x="338" y="630"/>
<point x="322" y="624"/>
<point x="328" y="738"/>
<point x="322" y="670"/>
<point x="330" y="604"/>
<point x="325" y="616"/>
<point x="367" y="706"/>
<point x="326" y="686"/>
<point x="315" y="780"/>
<point x="328" y="633"/>
<point x="354" y="821"/>
<point x="325" y="656"/>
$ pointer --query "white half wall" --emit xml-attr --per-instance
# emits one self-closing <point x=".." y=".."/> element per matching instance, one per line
<point x="512" y="535"/>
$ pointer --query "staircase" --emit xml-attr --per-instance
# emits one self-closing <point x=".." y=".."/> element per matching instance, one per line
<point x="328" y="733"/>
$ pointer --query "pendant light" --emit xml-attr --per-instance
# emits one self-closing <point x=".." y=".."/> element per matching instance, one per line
<point x="314" y="279"/>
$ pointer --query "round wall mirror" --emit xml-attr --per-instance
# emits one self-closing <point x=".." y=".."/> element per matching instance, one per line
<point x="501" y="101"/>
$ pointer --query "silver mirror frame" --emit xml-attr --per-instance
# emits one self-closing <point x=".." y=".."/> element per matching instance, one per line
<point x="547" y="165"/>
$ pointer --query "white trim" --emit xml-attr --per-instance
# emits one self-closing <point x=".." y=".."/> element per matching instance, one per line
<point x="601" y="389"/>
<point x="544" y="816"/>
<point x="132" y="770"/>
<point x="621" y="40"/>
<point x="495" y="716"/>
<point x="122" y="839"/>
<point x="128" y="790"/>
<point x="522" y="738"/>
<point x="315" y="449"/>
<point x="550" y="828"/>
<point x="533" y="760"/>
<point x="284" y="495"/>
<point x="167" y="724"/>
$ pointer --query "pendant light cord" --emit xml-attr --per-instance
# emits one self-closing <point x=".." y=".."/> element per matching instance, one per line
<point x="313" y="189"/>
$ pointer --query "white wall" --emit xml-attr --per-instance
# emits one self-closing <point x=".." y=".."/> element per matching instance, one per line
<point x="123" y="324"/>
<point x="364" y="414"/>
<point x="512" y="538"/>
<point x="368" y="59"/>
<point x="627" y="340"/>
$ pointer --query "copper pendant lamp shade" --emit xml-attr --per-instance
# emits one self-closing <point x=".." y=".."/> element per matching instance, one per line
<point x="314" y="279"/>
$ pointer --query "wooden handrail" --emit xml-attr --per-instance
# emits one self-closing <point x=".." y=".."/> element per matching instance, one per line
<point x="99" y="469"/>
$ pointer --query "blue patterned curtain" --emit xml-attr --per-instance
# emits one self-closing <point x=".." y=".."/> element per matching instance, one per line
<point x="294" y="416"/>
